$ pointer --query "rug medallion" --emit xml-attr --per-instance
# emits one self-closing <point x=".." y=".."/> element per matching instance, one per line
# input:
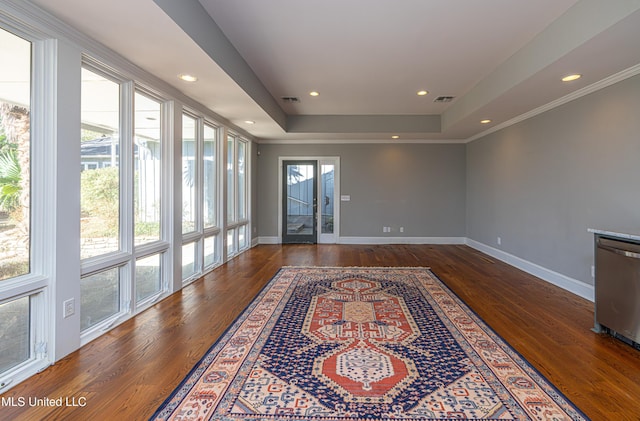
<point x="346" y="344"/>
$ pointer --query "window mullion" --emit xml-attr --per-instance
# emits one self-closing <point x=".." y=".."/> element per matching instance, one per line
<point x="127" y="107"/>
<point x="199" y="211"/>
<point x="127" y="171"/>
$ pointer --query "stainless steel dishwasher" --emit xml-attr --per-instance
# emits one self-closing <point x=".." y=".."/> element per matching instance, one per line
<point x="617" y="288"/>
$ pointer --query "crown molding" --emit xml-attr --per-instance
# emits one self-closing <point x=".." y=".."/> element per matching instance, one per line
<point x="355" y="141"/>
<point x="601" y="84"/>
<point x="594" y="87"/>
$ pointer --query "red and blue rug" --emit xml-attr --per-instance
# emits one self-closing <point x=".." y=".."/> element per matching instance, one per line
<point x="346" y="344"/>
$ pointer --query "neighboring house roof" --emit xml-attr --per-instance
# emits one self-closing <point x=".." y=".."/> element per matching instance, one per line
<point x="98" y="147"/>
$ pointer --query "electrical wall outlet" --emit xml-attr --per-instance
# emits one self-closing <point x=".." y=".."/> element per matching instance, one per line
<point x="499" y="240"/>
<point x="69" y="308"/>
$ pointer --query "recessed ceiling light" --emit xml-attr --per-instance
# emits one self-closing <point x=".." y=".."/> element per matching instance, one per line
<point x="187" y="77"/>
<point x="314" y="93"/>
<point x="569" y="78"/>
<point x="395" y="137"/>
<point x="422" y="93"/>
<point x="485" y="121"/>
<point x="250" y="122"/>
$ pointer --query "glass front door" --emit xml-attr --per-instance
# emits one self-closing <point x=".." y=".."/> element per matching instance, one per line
<point x="300" y="202"/>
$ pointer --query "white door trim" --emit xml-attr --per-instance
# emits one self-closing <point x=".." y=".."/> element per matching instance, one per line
<point x="326" y="160"/>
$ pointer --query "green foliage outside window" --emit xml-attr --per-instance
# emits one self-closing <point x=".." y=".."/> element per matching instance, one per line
<point x="100" y="201"/>
<point x="10" y="178"/>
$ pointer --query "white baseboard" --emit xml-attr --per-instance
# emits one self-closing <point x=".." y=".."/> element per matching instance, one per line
<point x="382" y="240"/>
<point x="269" y="240"/>
<point x="572" y="285"/>
<point x="401" y="240"/>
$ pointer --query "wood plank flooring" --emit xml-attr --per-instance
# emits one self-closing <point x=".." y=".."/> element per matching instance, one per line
<point x="127" y="373"/>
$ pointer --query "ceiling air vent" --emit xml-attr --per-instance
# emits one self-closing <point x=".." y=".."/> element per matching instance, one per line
<point x="444" y="99"/>
<point x="290" y="99"/>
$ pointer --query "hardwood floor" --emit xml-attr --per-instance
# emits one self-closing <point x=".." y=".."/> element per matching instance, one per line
<point x="127" y="373"/>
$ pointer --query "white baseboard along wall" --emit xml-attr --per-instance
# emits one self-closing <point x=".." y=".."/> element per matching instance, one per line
<point x="574" y="286"/>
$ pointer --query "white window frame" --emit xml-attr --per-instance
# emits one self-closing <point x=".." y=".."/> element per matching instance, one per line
<point x="125" y="259"/>
<point x="161" y="246"/>
<point x="198" y="235"/>
<point x="232" y="222"/>
<point x="215" y="230"/>
<point x="37" y="283"/>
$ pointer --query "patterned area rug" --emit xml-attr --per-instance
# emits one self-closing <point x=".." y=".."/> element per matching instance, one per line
<point x="345" y="344"/>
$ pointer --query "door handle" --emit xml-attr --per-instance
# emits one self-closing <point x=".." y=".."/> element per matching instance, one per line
<point x="621" y="252"/>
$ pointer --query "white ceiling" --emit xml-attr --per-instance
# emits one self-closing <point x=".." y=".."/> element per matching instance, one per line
<point x="366" y="58"/>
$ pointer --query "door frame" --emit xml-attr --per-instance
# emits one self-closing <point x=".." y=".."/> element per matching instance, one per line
<point x="311" y="238"/>
<point x="321" y="160"/>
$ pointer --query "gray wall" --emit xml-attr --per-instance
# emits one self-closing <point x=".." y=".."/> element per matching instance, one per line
<point x="541" y="183"/>
<point x="538" y="184"/>
<point x="420" y="187"/>
<point x="254" y="192"/>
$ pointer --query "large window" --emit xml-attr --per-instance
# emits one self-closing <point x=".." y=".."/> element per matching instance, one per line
<point x="199" y="196"/>
<point x="241" y="181"/>
<point x="210" y="203"/>
<point x="147" y="158"/>
<point x="99" y="165"/>
<point x="237" y="236"/>
<point x="89" y="167"/>
<point x="189" y="173"/>
<point x="211" y="200"/>
<point x="15" y="151"/>
<point x="15" y="199"/>
<point x="121" y="173"/>
<point x="22" y="280"/>
<point x="231" y="179"/>
<point x="100" y="197"/>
